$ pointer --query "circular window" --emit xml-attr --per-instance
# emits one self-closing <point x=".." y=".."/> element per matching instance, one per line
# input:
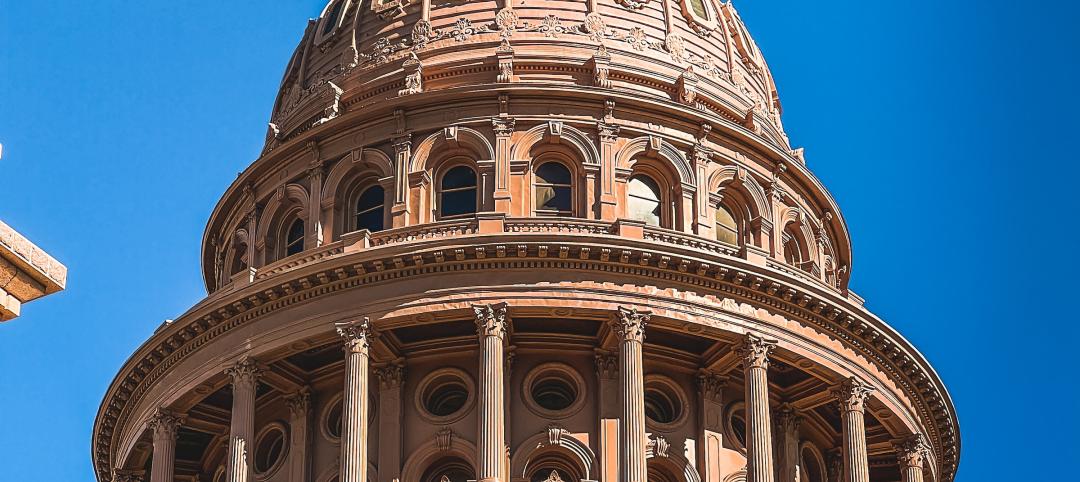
<point x="333" y="413"/>
<point x="735" y="425"/>
<point x="445" y="395"/>
<point x="270" y="447"/>
<point x="554" y="390"/>
<point x="664" y="402"/>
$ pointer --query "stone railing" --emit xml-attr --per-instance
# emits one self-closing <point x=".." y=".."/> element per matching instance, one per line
<point x="494" y="224"/>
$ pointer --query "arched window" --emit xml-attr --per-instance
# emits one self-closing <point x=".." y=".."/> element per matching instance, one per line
<point x="448" y="469"/>
<point x="812" y="467"/>
<point x="369" y="209"/>
<point x="294" y="238"/>
<point x="727" y="229"/>
<point x="457" y="193"/>
<point x="553" y="190"/>
<point x="644" y="200"/>
<point x="794" y="252"/>
<point x="239" y="257"/>
<point x="331" y="19"/>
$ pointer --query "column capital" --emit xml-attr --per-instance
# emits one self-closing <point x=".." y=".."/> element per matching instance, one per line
<point x="391" y="375"/>
<point x="165" y="423"/>
<point x="912" y="451"/>
<point x="299" y="402"/>
<point x="755" y="351"/>
<point x="503" y="126"/>
<point x="787" y="418"/>
<point x="607" y="366"/>
<point x="851" y="394"/>
<point x="244" y="370"/>
<point x="490" y="320"/>
<point x="711" y="385"/>
<point x="357" y="336"/>
<point x="630" y="323"/>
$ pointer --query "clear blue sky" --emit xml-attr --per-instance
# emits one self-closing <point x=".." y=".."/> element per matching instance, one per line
<point x="945" y="130"/>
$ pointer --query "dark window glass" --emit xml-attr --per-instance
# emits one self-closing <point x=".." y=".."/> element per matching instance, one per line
<point x="447" y="399"/>
<point x="554" y="190"/>
<point x="727" y="231"/>
<point x="333" y="419"/>
<point x="458" y="192"/>
<point x="738" y="425"/>
<point x="369" y="209"/>
<point x="332" y="18"/>
<point x="660" y="407"/>
<point x="554" y="393"/>
<point x="294" y="240"/>
<point x="698" y="6"/>
<point x="269" y="450"/>
<point x="644" y="200"/>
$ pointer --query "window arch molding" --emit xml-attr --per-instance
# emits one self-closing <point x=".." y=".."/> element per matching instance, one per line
<point x="433" y="451"/>
<point x="578" y="145"/>
<point x="807" y="448"/>
<point x="662" y="153"/>
<point x="238" y="254"/>
<point x="286" y="204"/>
<point x="331" y="19"/>
<point x="671" y="207"/>
<point x="673" y="465"/>
<point x="554" y="440"/>
<point x="797" y="240"/>
<point x="360" y="168"/>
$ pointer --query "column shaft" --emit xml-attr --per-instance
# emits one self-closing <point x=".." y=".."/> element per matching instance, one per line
<point x="354" y="408"/>
<point x="299" y="404"/>
<point x="242" y="428"/>
<point x="787" y="424"/>
<point x="759" y="448"/>
<point x="165" y="426"/>
<point x="491" y="448"/>
<point x="391" y="424"/>
<point x="851" y="396"/>
<point x="630" y="325"/>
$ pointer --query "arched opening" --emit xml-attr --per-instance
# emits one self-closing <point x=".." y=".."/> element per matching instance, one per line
<point x="658" y="472"/>
<point x="369" y="213"/>
<point x="239" y="257"/>
<point x="294" y="237"/>
<point x="727" y="227"/>
<point x="644" y="200"/>
<point x="553" y="464"/>
<point x="795" y="249"/>
<point x="448" y="469"/>
<point x="553" y="190"/>
<point x="457" y="193"/>
<point x="331" y="20"/>
<point x="812" y="468"/>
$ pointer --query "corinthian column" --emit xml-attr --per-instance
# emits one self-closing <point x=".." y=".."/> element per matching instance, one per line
<point x="759" y="456"/>
<point x="851" y="395"/>
<point x="165" y="424"/>
<point x="630" y="325"/>
<point x="245" y="375"/>
<point x="912" y="454"/>
<point x="354" y="407"/>
<point x="491" y="449"/>
<point x="787" y="424"/>
<point x="391" y="423"/>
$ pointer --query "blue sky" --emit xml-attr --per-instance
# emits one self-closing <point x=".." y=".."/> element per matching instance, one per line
<point x="944" y="130"/>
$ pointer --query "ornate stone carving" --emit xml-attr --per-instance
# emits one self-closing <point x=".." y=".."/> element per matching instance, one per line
<point x="491" y="319"/>
<point x="444" y="439"/>
<point x="632" y="4"/>
<point x="630" y="323"/>
<point x="711" y="385"/>
<point x="299" y="402"/>
<point x="165" y="424"/>
<point x="554" y="477"/>
<point x="787" y="419"/>
<point x="246" y="370"/>
<point x="675" y="46"/>
<point x="601" y="62"/>
<point x="912" y="451"/>
<point x="357" y="336"/>
<point x="686" y="86"/>
<point x="334" y="109"/>
<point x="595" y="27"/>
<point x="851" y="394"/>
<point x="506" y="21"/>
<point x="505" y="58"/>
<point x="414" y="75"/>
<point x="607" y="366"/>
<point x="127" y="476"/>
<point x="503" y="126"/>
<point x="660" y="446"/>
<point x="555" y="434"/>
<point x="755" y="351"/>
<point x="391" y="376"/>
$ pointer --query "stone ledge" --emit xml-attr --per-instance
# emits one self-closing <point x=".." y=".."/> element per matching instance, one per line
<point x="26" y="271"/>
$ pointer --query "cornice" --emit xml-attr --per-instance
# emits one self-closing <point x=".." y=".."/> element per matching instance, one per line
<point x="553" y="248"/>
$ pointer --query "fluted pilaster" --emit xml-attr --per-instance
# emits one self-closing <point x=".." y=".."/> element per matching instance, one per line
<point x="391" y="423"/>
<point x="630" y="326"/>
<point x="912" y="454"/>
<point x="299" y="404"/>
<point x="754" y="352"/>
<point x="851" y="396"/>
<point x="245" y="377"/>
<point x="165" y="425"/>
<point x="491" y="327"/>
<point x="787" y="426"/>
<point x="354" y="414"/>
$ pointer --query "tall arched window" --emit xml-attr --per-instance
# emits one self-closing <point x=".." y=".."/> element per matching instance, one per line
<point x="793" y="249"/>
<point x="644" y="200"/>
<point x="239" y="257"/>
<point x="369" y="209"/>
<point x="294" y="238"/>
<point x="727" y="229"/>
<point x="450" y="469"/>
<point x="457" y="193"/>
<point x="331" y="19"/>
<point x="553" y="190"/>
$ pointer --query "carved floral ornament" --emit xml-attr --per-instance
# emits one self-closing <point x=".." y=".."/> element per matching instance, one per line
<point x="165" y="424"/>
<point x="246" y="370"/>
<point x="755" y="351"/>
<point x="851" y="395"/>
<point x="912" y="451"/>
<point x="181" y="339"/>
<point x="357" y="336"/>
<point x="630" y="324"/>
<point x="491" y="320"/>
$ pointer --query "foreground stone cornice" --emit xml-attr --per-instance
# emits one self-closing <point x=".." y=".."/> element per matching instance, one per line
<point x="26" y="272"/>
<point x="729" y="278"/>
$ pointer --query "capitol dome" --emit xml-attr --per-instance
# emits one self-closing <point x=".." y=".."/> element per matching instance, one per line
<point x="556" y="241"/>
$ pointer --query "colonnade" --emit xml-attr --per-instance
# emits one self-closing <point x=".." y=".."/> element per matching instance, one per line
<point x="492" y="451"/>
